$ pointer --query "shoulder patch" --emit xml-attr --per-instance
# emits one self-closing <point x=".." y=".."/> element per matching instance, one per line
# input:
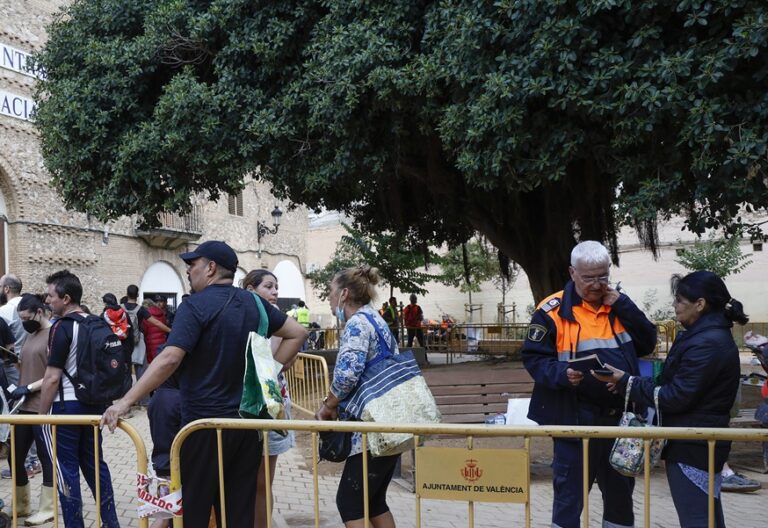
<point x="552" y="303"/>
<point x="536" y="332"/>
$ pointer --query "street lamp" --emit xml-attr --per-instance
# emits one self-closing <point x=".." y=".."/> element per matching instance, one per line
<point x="262" y="230"/>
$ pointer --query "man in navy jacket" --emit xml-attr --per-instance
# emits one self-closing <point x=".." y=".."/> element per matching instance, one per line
<point x="587" y="317"/>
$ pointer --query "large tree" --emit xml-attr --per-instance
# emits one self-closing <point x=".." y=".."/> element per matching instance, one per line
<point x="536" y="123"/>
<point x="398" y="263"/>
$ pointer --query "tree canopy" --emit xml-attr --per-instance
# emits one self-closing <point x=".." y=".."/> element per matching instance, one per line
<point x="537" y="123"/>
<point x="398" y="263"/>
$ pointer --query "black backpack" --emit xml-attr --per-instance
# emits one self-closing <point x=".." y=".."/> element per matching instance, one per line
<point x="102" y="372"/>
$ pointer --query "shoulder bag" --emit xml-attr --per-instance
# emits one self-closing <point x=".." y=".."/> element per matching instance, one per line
<point x="628" y="454"/>
<point x="391" y="390"/>
<point x="261" y="391"/>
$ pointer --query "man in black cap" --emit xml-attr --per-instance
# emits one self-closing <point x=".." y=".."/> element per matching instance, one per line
<point x="209" y="335"/>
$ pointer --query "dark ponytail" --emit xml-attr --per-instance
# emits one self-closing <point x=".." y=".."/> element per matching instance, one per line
<point x="31" y="302"/>
<point x="708" y="286"/>
<point x="734" y="311"/>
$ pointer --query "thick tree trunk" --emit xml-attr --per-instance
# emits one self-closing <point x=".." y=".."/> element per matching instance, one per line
<point x="536" y="228"/>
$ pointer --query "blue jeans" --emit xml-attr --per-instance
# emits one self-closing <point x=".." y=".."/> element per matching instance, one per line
<point x="74" y="450"/>
<point x="690" y="502"/>
<point x="567" y="475"/>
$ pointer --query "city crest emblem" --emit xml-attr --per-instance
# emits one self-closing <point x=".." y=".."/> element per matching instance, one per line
<point x="470" y="471"/>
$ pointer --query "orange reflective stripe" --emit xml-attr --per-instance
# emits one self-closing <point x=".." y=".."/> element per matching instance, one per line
<point x="591" y="330"/>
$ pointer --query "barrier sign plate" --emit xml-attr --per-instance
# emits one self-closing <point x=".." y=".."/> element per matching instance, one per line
<point x="481" y="475"/>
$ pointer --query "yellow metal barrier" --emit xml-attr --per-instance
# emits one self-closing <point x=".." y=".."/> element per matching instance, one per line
<point x="57" y="420"/>
<point x="711" y="435"/>
<point x="665" y="336"/>
<point x="308" y="382"/>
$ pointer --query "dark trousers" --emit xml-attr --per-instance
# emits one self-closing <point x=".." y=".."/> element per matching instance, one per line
<point x="200" y="477"/>
<point x="74" y="451"/>
<point x="690" y="501"/>
<point x="418" y="333"/>
<point x="26" y="435"/>
<point x="567" y="478"/>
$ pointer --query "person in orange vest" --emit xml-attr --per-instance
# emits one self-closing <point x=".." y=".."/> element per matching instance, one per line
<point x="588" y="316"/>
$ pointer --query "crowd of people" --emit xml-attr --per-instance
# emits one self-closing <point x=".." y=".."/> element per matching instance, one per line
<point x="207" y="335"/>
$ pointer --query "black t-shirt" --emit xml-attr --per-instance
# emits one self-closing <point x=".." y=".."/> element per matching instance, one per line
<point x="211" y="375"/>
<point x="142" y="315"/>
<point x="62" y="354"/>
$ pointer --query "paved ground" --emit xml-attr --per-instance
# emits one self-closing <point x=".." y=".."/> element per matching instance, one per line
<point x="294" y="507"/>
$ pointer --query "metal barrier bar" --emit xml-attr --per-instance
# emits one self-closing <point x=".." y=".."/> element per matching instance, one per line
<point x="647" y="483"/>
<point x="54" y="464"/>
<point x="14" y="518"/>
<point x="366" y="512"/>
<point x="315" y="479"/>
<point x="585" y="481"/>
<point x="711" y="484"/>
<point x="267" y="479"/>
<point x="220" y="457"/>
<point x="97" y="471"/>
<point x="585" y="432"/>
<point x="308" y="382"/>
<point x="54" y="420"/>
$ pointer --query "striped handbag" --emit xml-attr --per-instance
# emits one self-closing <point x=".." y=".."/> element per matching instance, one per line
<point x="391" y="390"/>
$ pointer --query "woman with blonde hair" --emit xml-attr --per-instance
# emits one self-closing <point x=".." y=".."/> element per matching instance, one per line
<point x="365" y="335"/>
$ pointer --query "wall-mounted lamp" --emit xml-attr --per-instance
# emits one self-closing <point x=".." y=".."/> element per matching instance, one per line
<point x="262" y="230"/>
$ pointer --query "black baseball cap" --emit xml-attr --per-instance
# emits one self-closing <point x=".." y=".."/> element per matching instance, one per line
<point x="214" y="250"/>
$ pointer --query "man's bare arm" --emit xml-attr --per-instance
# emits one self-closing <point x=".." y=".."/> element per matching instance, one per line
<point x="51" y="380"/>
<point x="293" y="335"/>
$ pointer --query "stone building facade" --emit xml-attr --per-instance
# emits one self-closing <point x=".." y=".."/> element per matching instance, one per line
<point x="38" y="235"/>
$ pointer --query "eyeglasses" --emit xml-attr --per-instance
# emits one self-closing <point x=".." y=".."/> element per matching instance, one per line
<point x="602" y="279"/>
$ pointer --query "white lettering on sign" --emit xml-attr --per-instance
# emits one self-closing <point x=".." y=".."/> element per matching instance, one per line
<point x="13" y="105"/>
<point x="16" y="60"/>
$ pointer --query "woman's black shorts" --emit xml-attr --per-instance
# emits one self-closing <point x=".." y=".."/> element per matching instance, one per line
<point x="349" y="498"/>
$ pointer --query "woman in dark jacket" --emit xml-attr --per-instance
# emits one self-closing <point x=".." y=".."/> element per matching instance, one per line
<point x="698" y="388"/>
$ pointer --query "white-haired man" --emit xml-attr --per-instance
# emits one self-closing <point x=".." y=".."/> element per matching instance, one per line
<point x="588" y="316"/>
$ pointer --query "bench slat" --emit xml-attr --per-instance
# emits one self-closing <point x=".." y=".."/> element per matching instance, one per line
<point x="499" y="389"/>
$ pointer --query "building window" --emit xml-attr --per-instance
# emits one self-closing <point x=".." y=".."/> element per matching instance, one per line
<point x="235" y="202"/>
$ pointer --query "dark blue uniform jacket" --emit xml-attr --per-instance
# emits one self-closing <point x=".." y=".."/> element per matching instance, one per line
<point x="698" y="387"/>
<point x="618" y="334"/>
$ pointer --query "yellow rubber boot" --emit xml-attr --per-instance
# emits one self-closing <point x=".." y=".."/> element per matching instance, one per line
<point x="22" y="501"/>
<point x="44" y="509"/>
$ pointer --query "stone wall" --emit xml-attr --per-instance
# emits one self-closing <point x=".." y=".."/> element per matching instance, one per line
<point x="42" y="236"/>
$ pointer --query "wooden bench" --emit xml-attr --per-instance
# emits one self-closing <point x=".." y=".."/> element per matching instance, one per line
<point x="471" y="395"/>
<point x="500" y="347"/>
<point x="745" y="419"/>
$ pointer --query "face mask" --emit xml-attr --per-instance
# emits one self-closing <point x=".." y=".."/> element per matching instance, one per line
<point x="3" y="299"/>
<point x="31" y="326"/>
<point x="340" y="314"/>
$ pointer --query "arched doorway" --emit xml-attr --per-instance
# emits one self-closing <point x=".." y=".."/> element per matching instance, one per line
<point x="162" y="278"/>
<point x="291" y="283"/>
